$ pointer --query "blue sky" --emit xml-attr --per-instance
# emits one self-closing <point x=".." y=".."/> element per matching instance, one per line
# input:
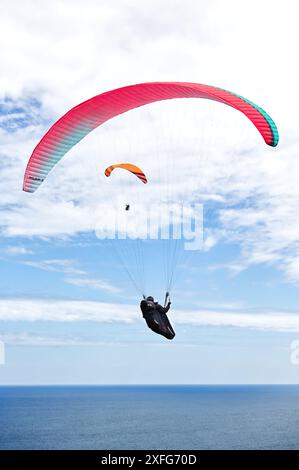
<point x="68" y="311"/>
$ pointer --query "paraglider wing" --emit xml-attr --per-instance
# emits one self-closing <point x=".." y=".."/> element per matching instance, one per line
<point x="129" y="167"/>
<point x="82" y="119"/>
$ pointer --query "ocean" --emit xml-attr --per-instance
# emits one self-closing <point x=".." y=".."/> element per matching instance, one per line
<point x="149" y="417"/>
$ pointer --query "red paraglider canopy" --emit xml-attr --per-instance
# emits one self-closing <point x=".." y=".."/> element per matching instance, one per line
<point x="82" y="119"/>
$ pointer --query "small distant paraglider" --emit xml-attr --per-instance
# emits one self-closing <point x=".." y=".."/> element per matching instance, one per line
<point x="132" y="169"/>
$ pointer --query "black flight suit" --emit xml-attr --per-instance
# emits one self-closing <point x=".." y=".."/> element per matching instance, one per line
<point x="156" y="318"/>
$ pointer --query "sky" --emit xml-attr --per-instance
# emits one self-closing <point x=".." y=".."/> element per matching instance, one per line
<point x="69" y="313"/>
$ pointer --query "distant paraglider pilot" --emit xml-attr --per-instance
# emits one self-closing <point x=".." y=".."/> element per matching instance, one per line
<point x="156" y="318"/>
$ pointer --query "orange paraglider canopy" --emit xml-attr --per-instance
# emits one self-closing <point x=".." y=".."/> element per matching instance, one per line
<point x="129" y="167"/>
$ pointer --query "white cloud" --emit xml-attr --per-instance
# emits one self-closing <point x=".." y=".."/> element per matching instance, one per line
<point x="97" y="284"/>
<point x="73" y="274"/>
<point x="65" y="310"/>
<point x="17" y="250"/>
<point x="127" y="42"/>
<point x="274" y="321"/>
<point x="32" y="310"/>
<point x="26" y="339"/>
<point x="66" y="266"/>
